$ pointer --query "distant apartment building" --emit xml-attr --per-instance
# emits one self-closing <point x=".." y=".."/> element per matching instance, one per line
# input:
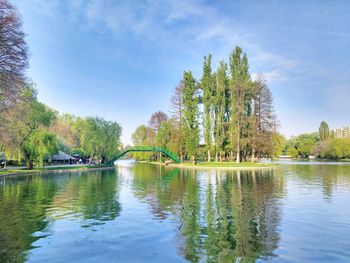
<point x="341" y="133"/>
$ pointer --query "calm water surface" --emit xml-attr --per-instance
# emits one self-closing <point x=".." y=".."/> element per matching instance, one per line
<point x="149" y="213"/>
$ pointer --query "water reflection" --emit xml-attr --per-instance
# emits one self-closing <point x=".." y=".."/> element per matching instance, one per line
<point x="146" y="212"/>
<point x="89" y="197"/>
<point x="329" y="177"/>
<point x="22" y="212"/>
<point x="28" y="205"/>
<point x="222" y="215"/>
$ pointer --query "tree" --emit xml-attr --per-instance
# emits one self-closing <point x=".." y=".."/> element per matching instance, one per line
<point x="143" y="135"/>
<point x="156" y="120"/>
<point x="65" y="129"/>
<point x="207" y="88"/>
<point x="292" y="152"/>
<point x="190" y="115"/>
<point x="278" y="144"/>
<point x="100" y="138"/>
<point x="220" y="105"/>
<point x="304" y="143"/>
<point x="239" y="98"/>
<point x="324" y="132"/>
<point x="264" y="119"/>
<point x="164" y="134"/>
<point x="13" y="56"/>
<point x="39" y="146"/>
<point x="176" y="109"/>
<point x="26" y="117"/>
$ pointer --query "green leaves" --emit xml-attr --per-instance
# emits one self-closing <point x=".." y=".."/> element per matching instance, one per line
<point x="207" y="86"/>
<point x="100" y="138"/>
<point x="40" y="146"/>
<point x="190" y="114"/>
<point x="324" y="131"/>
<point x="237" y="113"/>
<point x="304" y="144"/>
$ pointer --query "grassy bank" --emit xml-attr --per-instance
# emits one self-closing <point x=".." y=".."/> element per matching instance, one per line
<point x="230" y="164"/>
<point x="51" y="169"/>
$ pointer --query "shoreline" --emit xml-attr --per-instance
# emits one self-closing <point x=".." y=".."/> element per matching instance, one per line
<point x="48" y="170"/>
<point x="58" y="170"/>
<point x="191" y="166"/>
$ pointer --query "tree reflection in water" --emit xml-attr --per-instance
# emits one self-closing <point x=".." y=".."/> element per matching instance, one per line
<point x="28" y="205"/>
<point x="222" y="215"/>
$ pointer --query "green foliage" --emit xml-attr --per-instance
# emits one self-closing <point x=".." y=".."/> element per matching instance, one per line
<point x="164" y="134"/>
<point x="40" y="115"/>
<point x="221" y="104"/>
<point x="305" y="144"/>
<point x="33" y="124"/>
<point x="208" y="89"/>
<point x="67" y="130"/>
<point x="190" y="115"/>
<point x="80" y="151"/>
<point x="143" y="135"/>
<point x="279" y="142"/>
<point x="240" y="101"/>
<point x="319" y="144"/>
<point x="40" y="146"/>
<point x="292" y="152"/>
<point x="238" y="115"/>
<point x="338" y="148"/>
<point x="100" y="138"/>
<point x="324" y="132"/>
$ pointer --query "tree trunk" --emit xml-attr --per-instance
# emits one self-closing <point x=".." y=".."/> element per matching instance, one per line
<point x="253" y="155"/>
<point x="238" y="147"/>
<point x="216" y="157"/>
<point x="209" y="157"/>
<point x="193" y="160"/>
<point x="30" y="165"/>
<point x="160" y="157"/>
<point x="220" y="156"/>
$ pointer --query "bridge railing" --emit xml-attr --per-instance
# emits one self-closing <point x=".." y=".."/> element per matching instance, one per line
<point x="145" y="148"/>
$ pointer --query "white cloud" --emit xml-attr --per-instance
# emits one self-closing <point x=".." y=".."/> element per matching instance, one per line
<point x="185" y="26"/>
<point x="270" y="76"/>
<point x="188" y="26"/>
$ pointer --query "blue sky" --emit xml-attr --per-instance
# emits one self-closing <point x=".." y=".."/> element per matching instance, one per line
<point x="122" y="59"/>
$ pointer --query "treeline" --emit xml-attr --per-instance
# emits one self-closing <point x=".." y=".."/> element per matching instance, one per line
<point x="226" y="115"/>
<point x="322" y="144"/>
<point x="30" y="131"/>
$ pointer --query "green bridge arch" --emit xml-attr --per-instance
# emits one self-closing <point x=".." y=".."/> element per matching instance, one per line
<point x="163" y="150"/>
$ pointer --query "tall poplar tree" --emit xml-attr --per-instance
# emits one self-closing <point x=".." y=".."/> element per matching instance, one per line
<point x="239" y="90"/>
<point x="324" y="131"/>
<point x="207" y="87"/>
<point x="220" y="108"/>
<point x="190" y="115"/>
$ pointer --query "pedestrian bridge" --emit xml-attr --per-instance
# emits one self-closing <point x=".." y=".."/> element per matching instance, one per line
<point x="142" y="148"/>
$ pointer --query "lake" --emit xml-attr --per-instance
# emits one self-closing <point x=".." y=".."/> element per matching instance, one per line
<point x="149" y="213"/>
